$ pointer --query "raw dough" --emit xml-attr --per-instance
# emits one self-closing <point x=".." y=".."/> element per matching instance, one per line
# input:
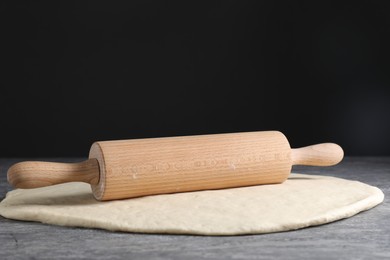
<point x="301" y="201"/>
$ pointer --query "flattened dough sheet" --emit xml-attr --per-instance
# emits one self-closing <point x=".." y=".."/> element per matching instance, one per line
<point x="302" y="201"/>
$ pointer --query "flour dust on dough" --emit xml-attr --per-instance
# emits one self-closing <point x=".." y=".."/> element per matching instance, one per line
<point x="301" y="201"/>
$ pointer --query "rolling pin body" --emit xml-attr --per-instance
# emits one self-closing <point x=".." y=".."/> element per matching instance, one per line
<point x="139" y="167"/>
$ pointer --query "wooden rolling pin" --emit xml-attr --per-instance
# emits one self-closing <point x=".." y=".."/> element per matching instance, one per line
<point x="139" y="167"/>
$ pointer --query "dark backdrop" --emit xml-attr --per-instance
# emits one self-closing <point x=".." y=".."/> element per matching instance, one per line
<point x="78" y="71"/>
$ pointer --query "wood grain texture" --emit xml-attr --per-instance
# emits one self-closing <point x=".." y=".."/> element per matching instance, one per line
<point x="139" y="167"/>
<point x="133" y="168"/>
<point x="364" y="236"/>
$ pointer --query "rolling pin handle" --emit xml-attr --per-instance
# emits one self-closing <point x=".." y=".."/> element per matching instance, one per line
<point x="326" y="154"/>
<point x="27" y="175"/>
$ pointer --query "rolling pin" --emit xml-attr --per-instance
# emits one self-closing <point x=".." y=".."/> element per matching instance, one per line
<point x="139" y="167"/>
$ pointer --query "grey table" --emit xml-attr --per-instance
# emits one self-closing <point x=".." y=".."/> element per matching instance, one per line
<point x="364" y="236"/>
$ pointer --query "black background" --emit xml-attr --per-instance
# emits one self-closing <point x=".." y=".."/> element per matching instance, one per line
<point x="74" y="72"/>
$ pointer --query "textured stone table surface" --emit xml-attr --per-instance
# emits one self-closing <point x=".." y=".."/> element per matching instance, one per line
<point x="364" y="236"/>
